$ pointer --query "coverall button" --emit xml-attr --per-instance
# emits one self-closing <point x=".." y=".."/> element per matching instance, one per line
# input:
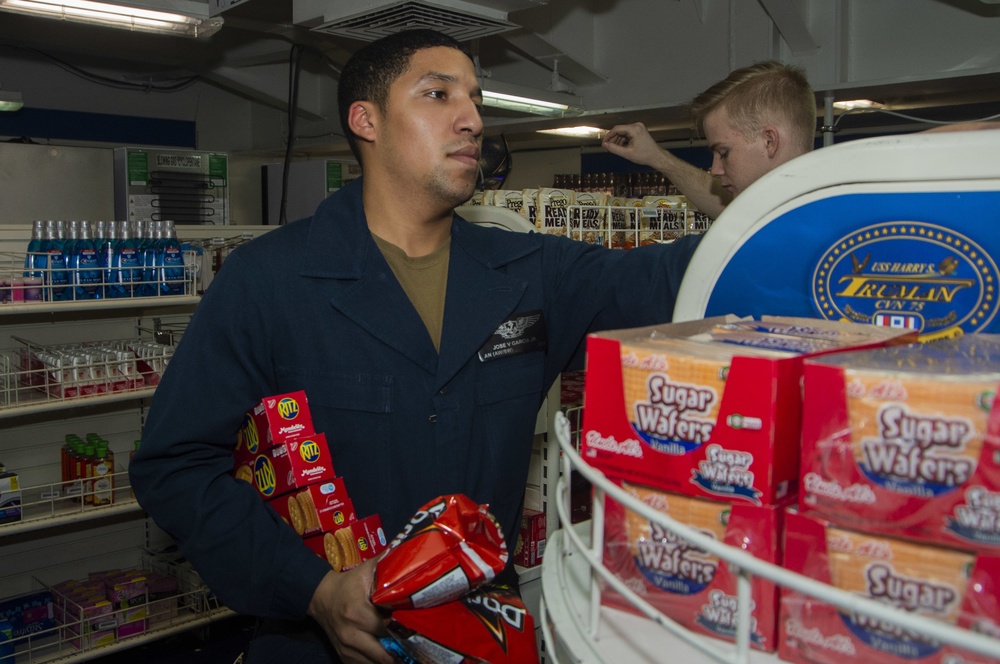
<point x="432" y="419"/>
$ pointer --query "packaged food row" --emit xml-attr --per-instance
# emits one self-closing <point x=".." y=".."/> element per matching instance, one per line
<point x="846" y="453"/>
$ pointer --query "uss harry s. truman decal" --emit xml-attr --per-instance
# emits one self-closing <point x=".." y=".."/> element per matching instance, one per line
<point x="908" y="274"/>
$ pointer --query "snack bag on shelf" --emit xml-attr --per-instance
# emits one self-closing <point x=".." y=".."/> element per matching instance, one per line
<point x="512" y="199"/>
<point x="450" y="546"/>
<point x="904" y="441"/>
<point x="588" y="219"/>
<point x="488" y="626"/>
<point x="663" y="218"/>
<point x="552" y="210"/>
<point x="686" y="583"/>
<point x="708" y="408"/>
<point x="953" y="586"/>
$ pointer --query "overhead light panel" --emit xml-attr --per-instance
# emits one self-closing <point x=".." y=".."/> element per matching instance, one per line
<point x="525" y="100"/>
<point x="576" y="132"/>
<point x="10" y="101"/>
<point x="857" y="105"/>
<point x="117" y="16"/>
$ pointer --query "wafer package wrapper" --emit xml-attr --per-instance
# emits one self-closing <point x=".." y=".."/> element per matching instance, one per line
<point x="451" y="546"/>
<point x="904" y="441"/>
<point x="709" y="408"/>
<point x="952" y="586"/>
<point x="487" y="626"/>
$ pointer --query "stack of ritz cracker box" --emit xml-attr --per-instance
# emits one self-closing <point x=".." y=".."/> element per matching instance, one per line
<point x="701" y="421"/>
<point x="279" y="452"/>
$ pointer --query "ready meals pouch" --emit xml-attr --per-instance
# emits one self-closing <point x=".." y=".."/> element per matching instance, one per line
<point x="680" y="579"/>
<point x="488" y="626"/>
<point x="956" y="587"/>
<point x="895" y="441"/>
<point x="552" y="210"/>
<point x="449" y="547"/>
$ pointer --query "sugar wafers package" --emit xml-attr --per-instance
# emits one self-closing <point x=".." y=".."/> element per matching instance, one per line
<point x="897" y="441"/>
<point x="685" y="582"/>
<point x="950" y="585"/>
<point x="707" y="408"/>
<point x="450" y="546"/>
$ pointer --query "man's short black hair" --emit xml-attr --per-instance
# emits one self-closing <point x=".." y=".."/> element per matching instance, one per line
<point x="370" y="72"/>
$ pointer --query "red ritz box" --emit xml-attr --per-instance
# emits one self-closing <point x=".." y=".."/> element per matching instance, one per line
<point x="530" y="539"/>
<point x="274" y="418"/>
<point x="366" y="537"/>
<point x="292" y="463"/>
<point x="708" y="408"/>
<point x="317" y="508"/>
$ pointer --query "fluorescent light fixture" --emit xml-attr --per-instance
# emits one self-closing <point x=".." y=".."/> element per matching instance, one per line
<point x="857" y="105"/>
<point x="117" y="16"/>
<point x="576" y="132"/>
<point x="527" y="100"/>
<point x="10" y="101"/>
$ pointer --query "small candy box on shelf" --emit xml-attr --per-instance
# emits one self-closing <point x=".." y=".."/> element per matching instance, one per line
<point x="905" y="441"/>
<point x="684" y="581"/>
<point x="708" y="408"/>
<point x="950" y="585"/>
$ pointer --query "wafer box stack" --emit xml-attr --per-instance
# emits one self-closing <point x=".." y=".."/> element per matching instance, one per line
<point x="707" y="408"/>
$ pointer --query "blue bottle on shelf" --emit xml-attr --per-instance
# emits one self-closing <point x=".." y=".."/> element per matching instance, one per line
<point x="35" y="262"/>
<point x="56" y="276"/>
<point x="171" y="261"/>
<point x="84" y="265"/>
<point x="125" y="264"/>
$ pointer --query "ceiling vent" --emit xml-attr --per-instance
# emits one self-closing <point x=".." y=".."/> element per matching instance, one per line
<point x="368" y="21"/>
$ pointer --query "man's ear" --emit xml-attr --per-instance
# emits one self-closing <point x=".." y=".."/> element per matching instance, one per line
<point x="362" y="120"/>
<point x="772" y="140"/>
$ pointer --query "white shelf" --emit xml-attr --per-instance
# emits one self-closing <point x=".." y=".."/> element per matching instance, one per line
<point x="51" y="506"/>
<point x="107" y="304"/>
<point x="45" y="404"/>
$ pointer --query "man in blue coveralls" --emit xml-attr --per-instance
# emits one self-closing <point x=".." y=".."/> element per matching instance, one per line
<point x="387" y="310"/>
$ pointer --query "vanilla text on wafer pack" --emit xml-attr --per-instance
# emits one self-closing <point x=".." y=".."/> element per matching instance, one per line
<point x="708" y="408"/>
<point x="898" y="441"/>
<point x="680" y="579"/>
<point x="956" y="587"/>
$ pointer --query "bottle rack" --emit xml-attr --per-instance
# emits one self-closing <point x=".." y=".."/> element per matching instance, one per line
<point x="72" y="639"/>
<point x="60" y="503"/>
<point x="573" y="618"/>
<point x="622" y="227"/>
<point x="20" y="286"/>
<point x="37" y="377"/>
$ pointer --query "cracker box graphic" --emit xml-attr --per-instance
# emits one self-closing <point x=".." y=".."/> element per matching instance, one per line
<point x="293" y="463"/>
<point x="956" y="587"/>
<point x="707" y="408"/>
<point x="274" y="418"/>
<point x="680" y="579"/>
<point x="903" y="441"/>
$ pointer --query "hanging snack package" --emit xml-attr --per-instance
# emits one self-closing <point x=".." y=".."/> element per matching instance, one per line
<point x="488" y="626"/>
<point x="450" y="547"/>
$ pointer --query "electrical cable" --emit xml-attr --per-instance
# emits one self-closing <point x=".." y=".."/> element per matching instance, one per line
<point x="111" y="82"/>
<point x="294" y="59"/>
<point x="908" y="117"/>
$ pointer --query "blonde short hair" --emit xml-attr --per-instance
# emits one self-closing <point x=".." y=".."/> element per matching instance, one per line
<point x="764" y="93"/>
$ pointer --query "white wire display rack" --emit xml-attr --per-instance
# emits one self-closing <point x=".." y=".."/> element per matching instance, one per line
<point x="578" y="628"/>
<point x="621" y="227"/>
<point x="78" y="633"/>
<point x="43" y="377"/>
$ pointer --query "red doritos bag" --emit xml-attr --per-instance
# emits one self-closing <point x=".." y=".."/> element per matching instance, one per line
<point x="451" y="546"/>
<point x="487" y="626"/>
